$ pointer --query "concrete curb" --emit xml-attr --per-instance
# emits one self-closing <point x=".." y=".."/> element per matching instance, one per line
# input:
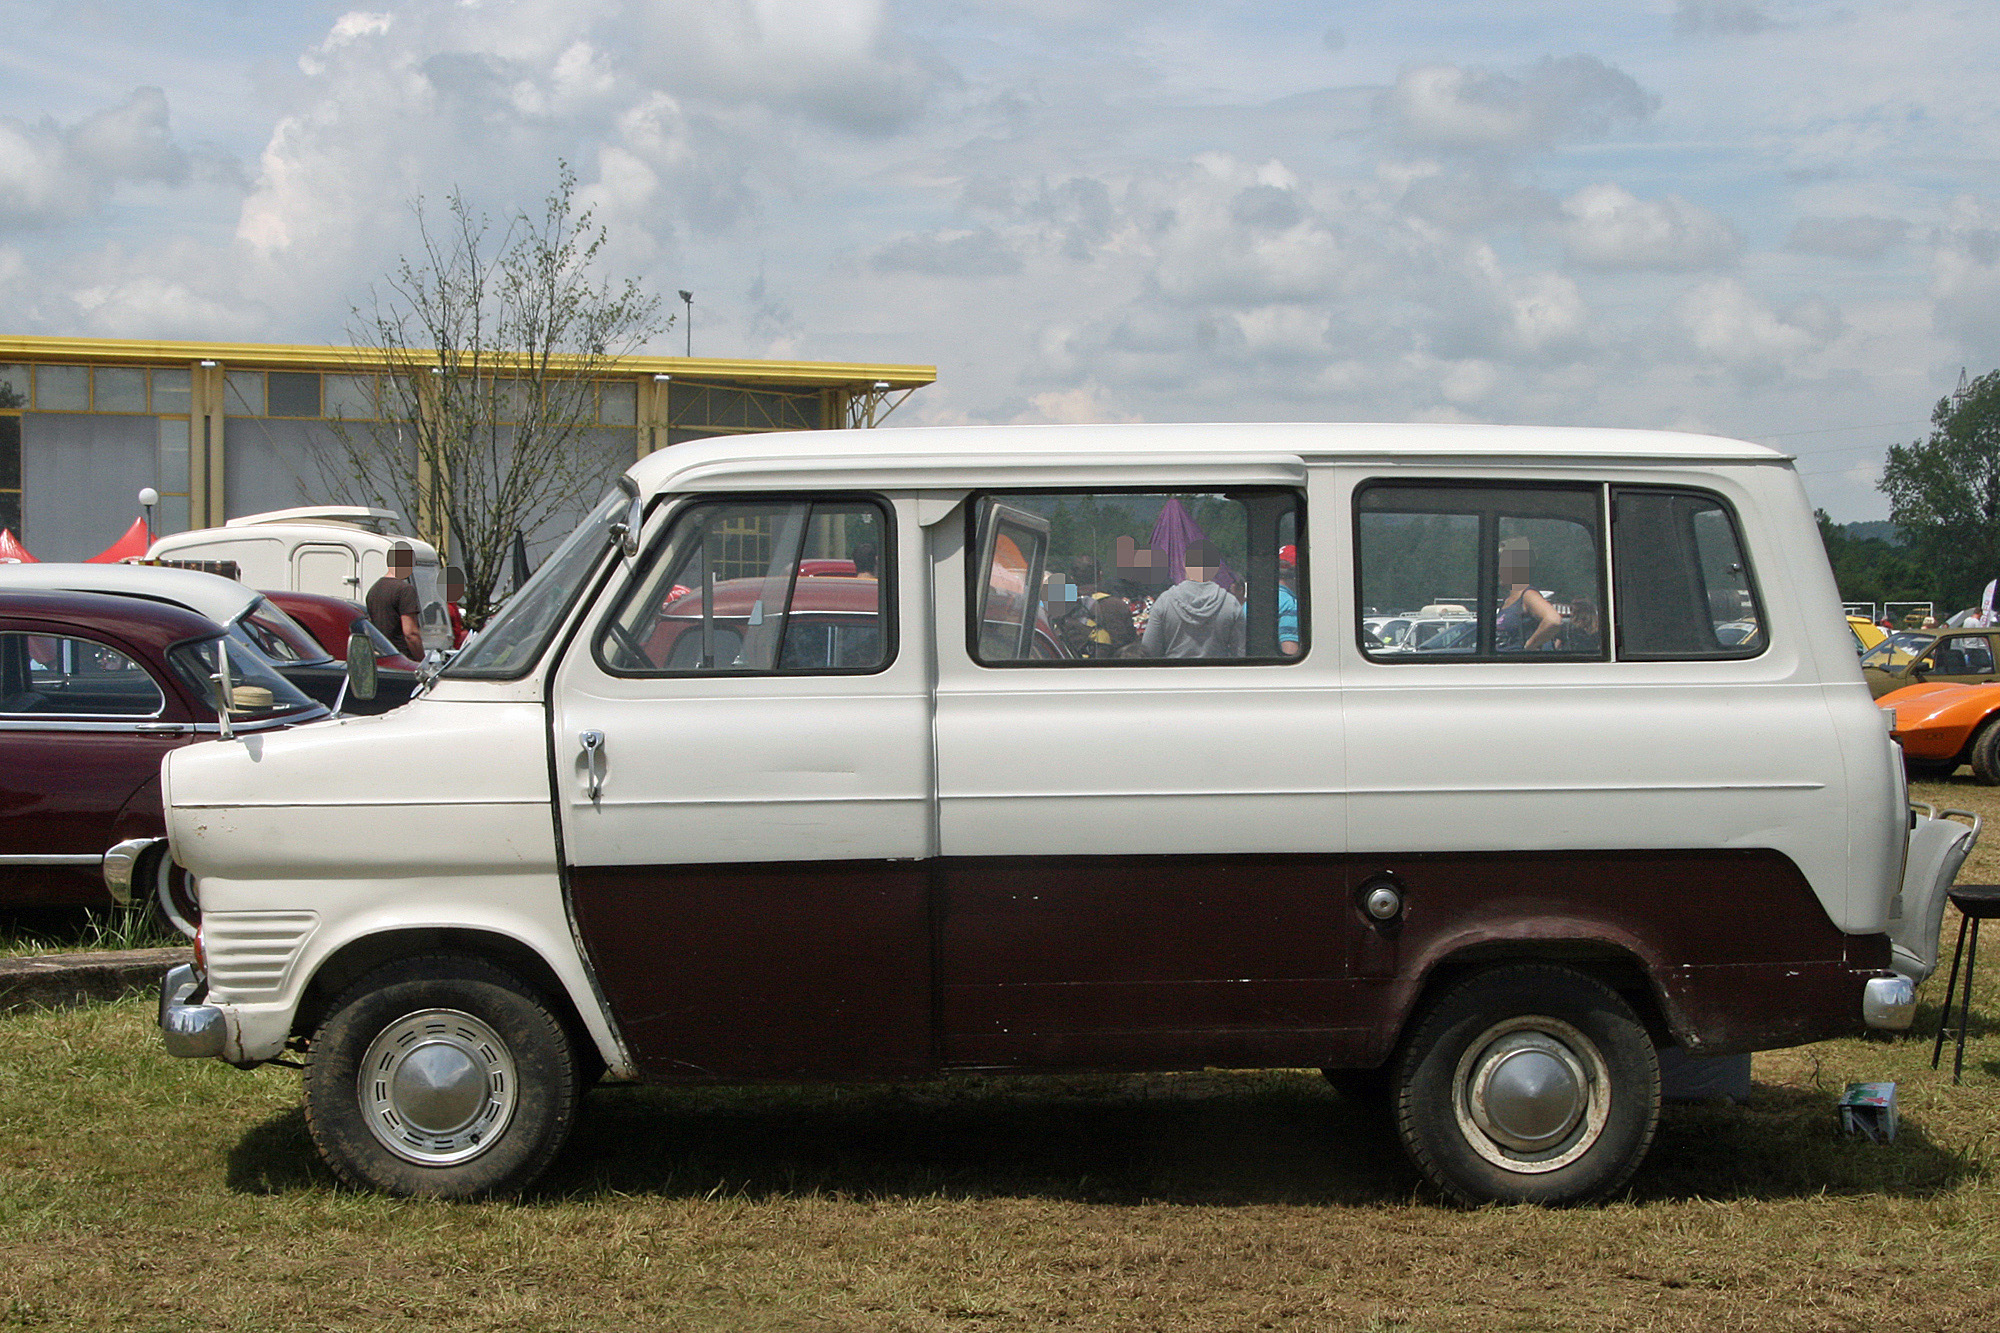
<point x="62" y="980"/>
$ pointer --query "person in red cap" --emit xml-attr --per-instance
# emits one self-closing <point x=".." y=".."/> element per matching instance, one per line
<point x="1288" y="600"/>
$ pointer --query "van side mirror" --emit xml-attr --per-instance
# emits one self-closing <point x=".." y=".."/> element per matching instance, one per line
<point x="627" y="529"/>
<point x="362" y="678"/>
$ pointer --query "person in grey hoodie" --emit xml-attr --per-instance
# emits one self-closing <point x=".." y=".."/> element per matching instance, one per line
<point x="1195" y="617"/>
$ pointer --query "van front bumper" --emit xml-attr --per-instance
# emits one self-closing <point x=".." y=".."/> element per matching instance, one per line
<point x="188" y="1027"/>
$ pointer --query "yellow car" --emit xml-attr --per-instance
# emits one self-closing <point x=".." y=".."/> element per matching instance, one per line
<point x="1866" y="633"/>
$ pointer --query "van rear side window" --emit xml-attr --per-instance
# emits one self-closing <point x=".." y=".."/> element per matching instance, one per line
<point x="1454" y="572"/>
<point x="1457" y="572"/>
<point x="1684" y="587"/>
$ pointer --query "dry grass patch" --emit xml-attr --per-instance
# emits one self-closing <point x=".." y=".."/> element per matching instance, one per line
<point x="140" y="1192"/>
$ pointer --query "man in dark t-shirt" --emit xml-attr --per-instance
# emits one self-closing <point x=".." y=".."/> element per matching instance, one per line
<point x="393" y="605"/>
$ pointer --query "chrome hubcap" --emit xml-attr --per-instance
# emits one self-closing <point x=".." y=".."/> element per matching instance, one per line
<point x="437" y="1087"/>
<point x="1532" y="1094"/>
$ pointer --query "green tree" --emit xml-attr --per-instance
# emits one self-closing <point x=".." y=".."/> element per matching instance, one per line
<point x="496" y="342"/>
<point x="1944" y="493"/>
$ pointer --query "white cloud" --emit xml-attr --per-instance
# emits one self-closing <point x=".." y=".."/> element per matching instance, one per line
<point x="1734" y="17"/>
<point x="52" y="173"/>
<point x="1729" y="325"/>
<point x="1848" y="237"/>
<point x="1457" y="107"/>
<point x="1605" y="227"/>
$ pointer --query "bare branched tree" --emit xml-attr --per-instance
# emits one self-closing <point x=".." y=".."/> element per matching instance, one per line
<point x="494" y="345"/>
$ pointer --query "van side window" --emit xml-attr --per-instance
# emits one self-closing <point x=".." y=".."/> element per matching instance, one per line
<point x="1455" y="572"/>
<point x="760" y="586"/>
<point x="1684" y="588"/>
<point x="1120" y="577"/>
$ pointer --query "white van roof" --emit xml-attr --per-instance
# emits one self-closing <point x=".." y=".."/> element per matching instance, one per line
<point x="221" y="600"/>
<point x="947" y="456"/>
<point x="386" y="522"/>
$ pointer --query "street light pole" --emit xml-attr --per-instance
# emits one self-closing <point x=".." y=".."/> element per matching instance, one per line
<point x="687" y="299"/>
<point x="148" y="497"/>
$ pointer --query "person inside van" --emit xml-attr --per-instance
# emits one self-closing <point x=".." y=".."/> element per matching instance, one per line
<point x="1196" y="618"/>
<point x="1288" y="600"/>
<point x="1582" y="632"/>
<point x="392" y="602"/>
<point x="1098" y="625"/>
<point x="1526" y="620"/>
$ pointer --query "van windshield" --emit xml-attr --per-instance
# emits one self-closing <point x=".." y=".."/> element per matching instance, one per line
<point x="514" y="639"/>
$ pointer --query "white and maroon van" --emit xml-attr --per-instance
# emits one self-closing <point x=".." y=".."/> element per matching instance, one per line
<point x="692" y="808"/>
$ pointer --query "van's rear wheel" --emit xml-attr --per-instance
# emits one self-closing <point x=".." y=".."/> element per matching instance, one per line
<point x="1528" y="1084"/>
<point x="440" y="1076"/>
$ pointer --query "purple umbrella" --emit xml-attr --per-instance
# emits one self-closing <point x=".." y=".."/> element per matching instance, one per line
<point x="1173" y="532"/>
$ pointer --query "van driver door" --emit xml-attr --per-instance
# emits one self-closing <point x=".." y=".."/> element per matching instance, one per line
<point x="742" y="769"/>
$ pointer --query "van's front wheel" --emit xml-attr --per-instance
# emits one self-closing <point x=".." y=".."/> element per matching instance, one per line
<point x="442" y="1076"/>
<point x="1528" y="1084"/>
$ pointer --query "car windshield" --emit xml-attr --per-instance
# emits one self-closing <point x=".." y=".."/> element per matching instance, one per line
<point x="281" y="638"/>
<point x="1897" y="650"/>
<point x="514" y="639"/>
<point x="255" y="687"/>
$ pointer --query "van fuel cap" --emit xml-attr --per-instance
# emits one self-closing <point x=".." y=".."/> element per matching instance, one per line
<point x="1384" y="901"/>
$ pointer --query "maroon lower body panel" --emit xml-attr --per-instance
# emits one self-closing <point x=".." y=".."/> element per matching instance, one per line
<point x="895" y="969"/>
<point x="792" y="970"/>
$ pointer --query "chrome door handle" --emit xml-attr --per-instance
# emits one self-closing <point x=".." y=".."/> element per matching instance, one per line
<point x="593" y="761"/>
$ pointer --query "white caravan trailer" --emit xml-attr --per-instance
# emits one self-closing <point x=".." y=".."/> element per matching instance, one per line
<point x="334" y="550"/>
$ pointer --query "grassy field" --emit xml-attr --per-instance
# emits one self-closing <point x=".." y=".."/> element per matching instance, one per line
<point x="139" y="1192"/>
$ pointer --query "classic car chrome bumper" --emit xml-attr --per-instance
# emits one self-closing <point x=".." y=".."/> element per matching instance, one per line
<point x="188" y="1028"/>
<point x="120" y="863"/>
<point x="1889" y="1003"/>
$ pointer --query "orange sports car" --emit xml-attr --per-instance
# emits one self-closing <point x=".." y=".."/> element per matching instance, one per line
<point x="1942" y="725"/>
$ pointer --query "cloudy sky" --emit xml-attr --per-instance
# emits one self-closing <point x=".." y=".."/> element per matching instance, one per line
<point x="1772" y="219"/>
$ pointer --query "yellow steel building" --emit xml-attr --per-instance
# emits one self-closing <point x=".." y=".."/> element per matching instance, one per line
<point x="226" y="429"/>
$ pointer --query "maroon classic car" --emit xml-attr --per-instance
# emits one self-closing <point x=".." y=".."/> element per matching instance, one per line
<point x="94" y="689"/>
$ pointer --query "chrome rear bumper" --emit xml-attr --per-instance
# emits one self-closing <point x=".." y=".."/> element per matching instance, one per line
<point x="189" y="1028"/>
<point x="1889" y="1003"/>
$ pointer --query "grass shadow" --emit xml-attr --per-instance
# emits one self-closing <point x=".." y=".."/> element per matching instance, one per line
<point x="1280" y="1138"/>
<point x="1217" y="1139"/>
<point x="1787" y="1143"/>
<point x="277" y="1156"/>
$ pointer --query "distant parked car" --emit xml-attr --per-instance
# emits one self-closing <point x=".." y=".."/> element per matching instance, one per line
<point x="252" y="617"/>
<point x="94" y="689"/>
<point x="1866" y="633"/>
<point x="1915" y="657"/>
<point x="1942" y="726"/>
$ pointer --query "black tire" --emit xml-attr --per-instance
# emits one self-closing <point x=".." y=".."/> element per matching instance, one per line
<point x="1528" y="1084"/>
<point x="475" y="1084"/>
<point x="1984" y="753"/>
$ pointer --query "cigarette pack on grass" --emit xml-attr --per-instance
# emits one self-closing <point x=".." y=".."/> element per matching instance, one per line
<point x="1869" y="1109"/>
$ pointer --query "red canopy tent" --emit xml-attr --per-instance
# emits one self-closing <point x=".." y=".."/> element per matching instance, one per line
<point x="11" y="550"/>
<point x="132" y="546"/>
